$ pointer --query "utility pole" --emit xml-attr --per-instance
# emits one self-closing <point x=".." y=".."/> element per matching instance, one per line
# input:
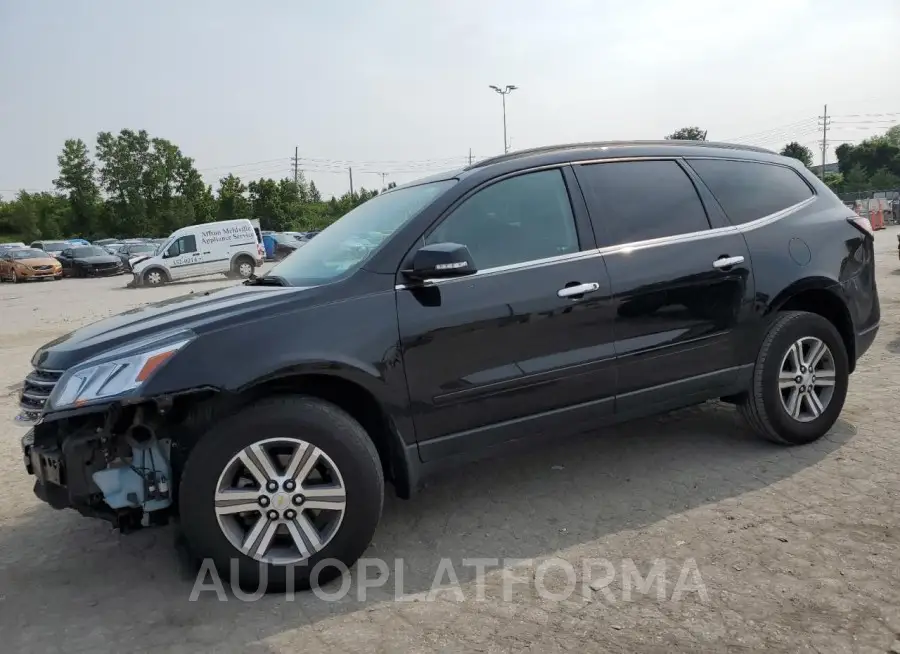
<point x="826" y="123"/>
<point x="296" y="161"/>
<point x="503" y="93"/>
<point x="383" y="175"/>
<point x="470" y="156"/>
<point x="351" y="180"/>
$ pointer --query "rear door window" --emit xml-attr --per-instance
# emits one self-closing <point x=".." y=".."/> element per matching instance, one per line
<point x="749" y="190"/>
<point x="634" y="201"/>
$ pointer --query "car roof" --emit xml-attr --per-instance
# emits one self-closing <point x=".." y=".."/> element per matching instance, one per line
<point x="590" y="151"/>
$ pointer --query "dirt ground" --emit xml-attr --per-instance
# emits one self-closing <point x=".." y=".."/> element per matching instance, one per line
<point x="799" y="549"/>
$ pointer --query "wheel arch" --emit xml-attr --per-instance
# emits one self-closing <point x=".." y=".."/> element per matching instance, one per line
<point x="819" y="296"/>
<point x="237" y="256"/>
<point x="346" y="388"/>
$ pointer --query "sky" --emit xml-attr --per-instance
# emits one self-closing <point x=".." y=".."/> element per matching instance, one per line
<point x="401" y="86"/>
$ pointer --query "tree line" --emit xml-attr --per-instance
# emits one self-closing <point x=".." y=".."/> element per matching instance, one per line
<point x="135" y="185"/>
<point x="871" y="165"/>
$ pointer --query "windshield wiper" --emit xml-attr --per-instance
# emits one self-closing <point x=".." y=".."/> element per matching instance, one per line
<point x="266" y="280"/>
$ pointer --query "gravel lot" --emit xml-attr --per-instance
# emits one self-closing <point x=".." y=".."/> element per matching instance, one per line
<point x="799" y="549"/>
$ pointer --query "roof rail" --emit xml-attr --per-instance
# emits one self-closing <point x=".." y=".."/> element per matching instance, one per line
<point x="607" y="144"/>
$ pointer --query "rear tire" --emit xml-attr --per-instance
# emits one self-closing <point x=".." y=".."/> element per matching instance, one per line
<point x="342" y="444"/>
<point x="775" y="394"/>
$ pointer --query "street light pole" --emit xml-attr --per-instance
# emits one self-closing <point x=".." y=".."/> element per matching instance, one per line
<point x="503" y="93"/>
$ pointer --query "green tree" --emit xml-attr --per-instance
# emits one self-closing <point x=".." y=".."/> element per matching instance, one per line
<point x="893" y="135"/>
<point x="872" y="155"/>
<point x="835" y="181"/>
<point x="232" y="199"/>
<point x="38" y="215"/>
<point x="76" y="180"/>
<point x="856" y="179"/>
<point x="884" y="180"/>
<point x="314" y="195"/>
<point x="123" y="167"/>
<point x="799" y="152"/>
<point x="687" y="134"/>
<point x="267" y="204"/>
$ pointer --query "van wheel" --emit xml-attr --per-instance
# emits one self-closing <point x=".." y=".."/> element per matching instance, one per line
<point x="800" y="380"/>
<point x="154" y="277"/>
<point x="243" y="267"/>
<point x="284" y="484"/>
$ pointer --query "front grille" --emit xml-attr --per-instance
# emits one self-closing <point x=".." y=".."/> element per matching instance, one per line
<point x="106" y="266"/>
<point x="43" y="267"/>
<point x="36" y="389"/>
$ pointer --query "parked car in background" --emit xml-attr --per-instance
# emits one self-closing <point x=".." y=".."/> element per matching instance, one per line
<point x="106" y="241"/>
<point x="7" y="246"/>
<point x="53" y="248"/>
<point x="28" y="264"/>
<point x="89" y="261"/>
<point x="232" y="247"/>
<point x="285" y="244"/>
<point x="78" y="241"/>
<point x="134" y="251"/>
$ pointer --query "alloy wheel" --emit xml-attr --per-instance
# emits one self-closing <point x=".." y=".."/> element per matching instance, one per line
<point x="245" y="269"/>
<point x="806" y="379"/>
<point x="154" y="277"/>
<point x="280" y="500"/>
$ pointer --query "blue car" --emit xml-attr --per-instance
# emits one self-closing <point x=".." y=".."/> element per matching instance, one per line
<point x="78" y="241"/>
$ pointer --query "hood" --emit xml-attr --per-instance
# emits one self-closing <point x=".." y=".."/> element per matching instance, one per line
<point x="38" y="261"/>
<point x="141" y="257"/>
<point x="200" y="312"/>
<point x="99" y="258"/>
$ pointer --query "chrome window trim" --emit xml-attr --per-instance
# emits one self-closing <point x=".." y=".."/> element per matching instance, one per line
<point x="627" y="247"/>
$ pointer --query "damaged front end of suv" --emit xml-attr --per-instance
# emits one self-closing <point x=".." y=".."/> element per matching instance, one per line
<point x="98" y="444"/>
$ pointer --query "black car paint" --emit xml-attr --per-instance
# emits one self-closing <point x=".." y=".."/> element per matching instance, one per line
<point x="88" y="264"/>
<point x="467" y="365"/>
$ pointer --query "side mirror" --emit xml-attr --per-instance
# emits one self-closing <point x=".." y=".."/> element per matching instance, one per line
<point x="441" y="260"/>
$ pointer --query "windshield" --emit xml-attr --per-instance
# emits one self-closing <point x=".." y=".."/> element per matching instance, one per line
<point x="27" y="254"/>
<point x="92" y="251"/>
<point x="347" y="243"/>
<point x="134" y="249"/>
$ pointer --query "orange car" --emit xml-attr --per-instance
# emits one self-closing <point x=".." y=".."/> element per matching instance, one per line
<point x="28" y="264"/>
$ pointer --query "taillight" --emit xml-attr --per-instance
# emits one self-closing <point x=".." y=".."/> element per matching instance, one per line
<point x="862" y="224"/>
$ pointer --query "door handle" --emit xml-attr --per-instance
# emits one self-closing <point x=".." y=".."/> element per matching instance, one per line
<point x="580" y="289"/>
<point x="727" y="262"/>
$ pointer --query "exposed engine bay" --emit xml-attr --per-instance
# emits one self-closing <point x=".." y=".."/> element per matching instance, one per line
<point x="116" y="466"/>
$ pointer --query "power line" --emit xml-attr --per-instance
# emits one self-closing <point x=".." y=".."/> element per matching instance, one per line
<point x="790" y="126"/>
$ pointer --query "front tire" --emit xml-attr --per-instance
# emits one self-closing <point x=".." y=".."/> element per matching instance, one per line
<point x="154" y="277"/>
<point x="15" y="277"/>
<point x="286" y="483"/>
<point x="243" y="267"/>
<point x="800" y="380"/>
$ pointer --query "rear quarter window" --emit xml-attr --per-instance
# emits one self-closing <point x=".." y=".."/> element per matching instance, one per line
<point x="749" y="190"/>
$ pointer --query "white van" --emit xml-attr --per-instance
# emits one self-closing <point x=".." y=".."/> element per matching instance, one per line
<point x="232" y="247"/>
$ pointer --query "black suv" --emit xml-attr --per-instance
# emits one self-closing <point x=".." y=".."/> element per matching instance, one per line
<point x="538" y="293"/>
